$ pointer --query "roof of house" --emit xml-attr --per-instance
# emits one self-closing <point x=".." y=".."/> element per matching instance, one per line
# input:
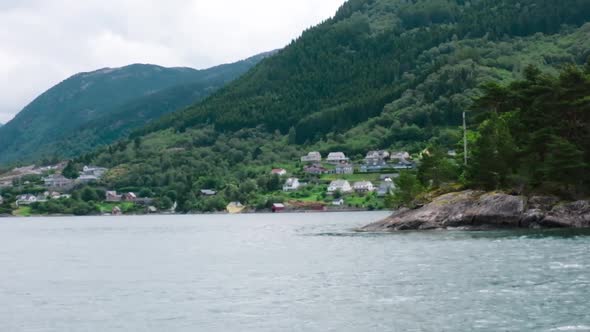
<point x="336" y="155"/>
<point x="339" y="183"/>
<point x="363" y="183"/>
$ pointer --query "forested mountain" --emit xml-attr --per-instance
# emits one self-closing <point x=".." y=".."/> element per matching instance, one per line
<point x="380" y="74"/>
<point x="97" y="108"/>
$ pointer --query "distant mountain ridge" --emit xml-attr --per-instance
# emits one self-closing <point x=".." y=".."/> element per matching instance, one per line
<point x="98" y="107"/>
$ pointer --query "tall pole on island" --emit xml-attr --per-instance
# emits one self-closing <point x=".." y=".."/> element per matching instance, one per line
<point x="465" y="137"/>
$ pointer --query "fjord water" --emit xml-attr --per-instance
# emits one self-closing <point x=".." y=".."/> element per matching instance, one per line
<point x="290" y="272"/>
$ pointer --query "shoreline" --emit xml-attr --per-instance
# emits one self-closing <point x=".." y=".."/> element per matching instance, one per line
<point x="194" y="214"/>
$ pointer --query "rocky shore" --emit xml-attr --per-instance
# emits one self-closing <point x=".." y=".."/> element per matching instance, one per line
<point x="477" y="210"/>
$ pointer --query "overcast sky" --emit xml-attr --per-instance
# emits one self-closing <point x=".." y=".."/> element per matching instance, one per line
<point x="42" y="42"/>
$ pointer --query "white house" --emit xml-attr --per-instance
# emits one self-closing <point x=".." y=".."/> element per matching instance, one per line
<point x="312" y="157"/>
<point x="279" y="171"/>
<point x="376" y="158"/>
<point x="385" y="187"/>
<point x="291" y="184"/>
<point x="363" y="187"/>
<point x="94" y="170"/>
<point x="339" y="185"/>
<point x="400" y="156"/>
<point x="28" y="199"/>
<point x="344" y="169"/>
<point x="112" y="196"/>
<point x="338" y="202"/>
<point x="57" y="181"/>
<point x="337" y="158"/>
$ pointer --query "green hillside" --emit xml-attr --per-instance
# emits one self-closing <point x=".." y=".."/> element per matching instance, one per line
<point x="386" y="74"/>
<point x="97" y="108"/>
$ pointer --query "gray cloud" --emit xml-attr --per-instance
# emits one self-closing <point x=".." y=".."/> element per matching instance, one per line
<point x="43" y="42"/>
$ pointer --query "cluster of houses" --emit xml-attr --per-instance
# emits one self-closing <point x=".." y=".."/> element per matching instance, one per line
<point x="340" y="164"/>
<point x="28" y="199"/>
<point x="375" y="161"/>
<point x="87" y="175"/>
<point x="361" y="187"/>
<point x="8" y="179"/>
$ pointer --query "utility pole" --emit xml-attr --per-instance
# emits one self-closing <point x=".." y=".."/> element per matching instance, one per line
<point x="465" y="137"/>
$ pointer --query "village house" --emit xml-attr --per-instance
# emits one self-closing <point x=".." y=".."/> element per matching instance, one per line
<point x="344" y="168"/>
<point x="292" y="184"/>
<point x="129" y="197"/>
<point x="363" y="187"/>
<point x="339" y="185"/>
<point x="28" y="199"/>
<point x="312" y="157"/>
<point x="57" y="181"/>
<point x="112" y="196"/>
<point x="91" y="174"/>
<point x="94" y="170"/>
<point x="386" y="187"/>
<point x="376" y="158"/>
<point x="278" y="171"/>
<point x="400" y="156"/>
<point x="338" y="202"/>
<point x="315" y="169"/>
<point x="336" y="158"/>
<point x="278" y="207"/>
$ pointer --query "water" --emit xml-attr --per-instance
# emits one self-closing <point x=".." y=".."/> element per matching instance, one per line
<point x="285" y="273"/>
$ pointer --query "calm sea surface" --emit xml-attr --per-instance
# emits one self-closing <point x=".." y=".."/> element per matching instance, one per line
<point x="291" y="272"/>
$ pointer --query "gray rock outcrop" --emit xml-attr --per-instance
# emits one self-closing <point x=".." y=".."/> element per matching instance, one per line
<point x="475" y="210"/>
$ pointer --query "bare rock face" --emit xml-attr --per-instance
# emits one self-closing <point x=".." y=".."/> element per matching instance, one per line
<point x="473" y="210"/>
<point x="576" y="214"/>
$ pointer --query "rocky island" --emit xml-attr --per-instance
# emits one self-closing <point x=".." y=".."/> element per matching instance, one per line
<point x="478" y="210"/>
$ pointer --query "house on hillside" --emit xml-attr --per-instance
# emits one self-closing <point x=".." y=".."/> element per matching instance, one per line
<point x="292" y="184"/>
<point x="57" y="181"/>
<point x="129" y="197"/>
<point x="376" y="158"/>
<point x="339" y="185"/>
<point x="312" y="157"/>
<point x="279" y="171"/>
<point x="363" y="187"/>
<point x="28" y="199"/>
<point x="94" y="170"/>
<point x="400" y="156"/>
<point x="386" y="187"/>
<point x="344" y="168"/>
<point x="112" y="196"/>
<point x="338" y="202"/>
<point x="315" y="169"/>
<point x="337" y="158"/>
<point x="91" y="174"/>
<point x="278" y="207"/>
